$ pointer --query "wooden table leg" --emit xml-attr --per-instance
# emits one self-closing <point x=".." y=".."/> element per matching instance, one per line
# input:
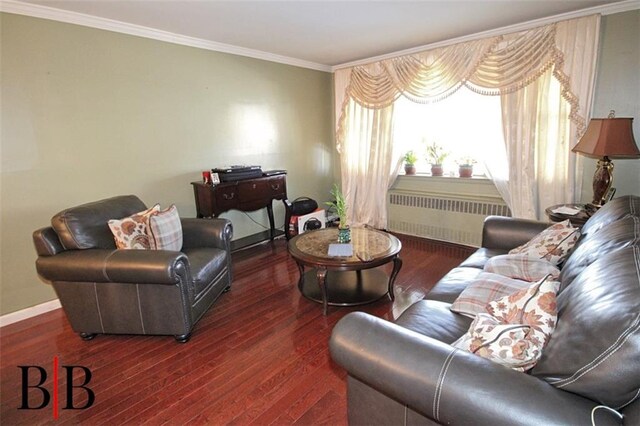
<point x="272" y="227"/>
<point x="321" y="274"/>
<point x="397" y="264"/>
<point x="301" y="280"/>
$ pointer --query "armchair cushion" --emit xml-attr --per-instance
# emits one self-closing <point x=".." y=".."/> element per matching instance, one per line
<point x="206" y="265"/>
<point x="85" y="226"/>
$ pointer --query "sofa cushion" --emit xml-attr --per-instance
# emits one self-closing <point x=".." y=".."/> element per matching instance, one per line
<point x="452" y="284"/>
<point x="619" y="234"/>
<point x="132" y="232"/>
<point x="505" y="344"/>
<point x="612" y="211"/>
<point x="552" y="244"/>
<point x="515" y="328"/>
<point x="485" y="288"/>
<point x="521" y="267"/>
<point x="166" y="230"/>
<point x="434" y="319"/>
<point x="85" y="226"/>
<point x="594" y="349"/>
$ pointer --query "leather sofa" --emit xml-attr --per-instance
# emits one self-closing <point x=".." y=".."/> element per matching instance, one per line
<point x="104" y="290"/>
<point x="406" y="372"/>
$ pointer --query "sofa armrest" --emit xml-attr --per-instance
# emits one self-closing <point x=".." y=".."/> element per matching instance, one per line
<point x="215" y="232"/>
<point x="506" y="233"/>
<point x="120" y="266"/>
<point x="446" y="384"/>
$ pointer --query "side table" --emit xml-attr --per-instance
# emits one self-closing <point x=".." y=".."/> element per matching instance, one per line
<point x="577" y="219"/>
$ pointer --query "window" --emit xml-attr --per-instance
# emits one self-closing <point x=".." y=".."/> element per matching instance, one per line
<point x="465" y="124"/>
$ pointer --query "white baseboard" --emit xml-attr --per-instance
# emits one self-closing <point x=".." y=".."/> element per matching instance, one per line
<point x="29" y="312"/>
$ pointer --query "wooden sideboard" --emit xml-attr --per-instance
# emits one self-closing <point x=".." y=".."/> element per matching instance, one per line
<point x="244" y="195"/>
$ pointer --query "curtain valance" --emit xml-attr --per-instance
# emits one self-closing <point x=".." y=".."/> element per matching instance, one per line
<point x="492" y="66"/>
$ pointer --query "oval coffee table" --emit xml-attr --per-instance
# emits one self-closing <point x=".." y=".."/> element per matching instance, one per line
<point x="346" y="281"/>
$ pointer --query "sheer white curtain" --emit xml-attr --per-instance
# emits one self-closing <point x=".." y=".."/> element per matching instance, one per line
<point x="367" y="164"/>
<point x="544" y="77"/>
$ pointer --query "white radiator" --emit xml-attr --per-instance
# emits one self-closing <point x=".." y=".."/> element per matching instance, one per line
<point x="446" y="218"/>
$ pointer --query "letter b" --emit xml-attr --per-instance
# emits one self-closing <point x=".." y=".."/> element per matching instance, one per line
<point x="91" y="397"/>
<point x="25" y="387"/>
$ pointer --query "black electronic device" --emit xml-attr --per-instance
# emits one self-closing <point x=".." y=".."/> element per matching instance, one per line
<point x="234" y="173"/>
<point x="303" y="205"/>
<point x="274" y="172"/>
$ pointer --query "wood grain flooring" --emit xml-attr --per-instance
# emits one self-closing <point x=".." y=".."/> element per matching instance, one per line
<point x="259" y="356"/>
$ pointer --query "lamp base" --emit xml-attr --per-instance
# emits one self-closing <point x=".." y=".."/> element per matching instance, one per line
<point x="602" y="181"/>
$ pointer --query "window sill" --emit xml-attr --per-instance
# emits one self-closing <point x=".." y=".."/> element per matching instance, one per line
<point x="445" y="177"/>
<point x="476" y="187"/>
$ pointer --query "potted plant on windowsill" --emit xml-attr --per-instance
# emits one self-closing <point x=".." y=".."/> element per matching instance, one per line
<point x="465" y="167"/>
<point x="436" y="156"/>
<point x="339" y="205"/>
<point x="410" y="159"/>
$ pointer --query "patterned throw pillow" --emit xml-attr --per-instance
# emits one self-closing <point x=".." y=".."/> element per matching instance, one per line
<point x="131" y="232"/>
<point x="552" y="244"/>
<point x="505" y="344"/>
<point x="534" y="308"/>
<point x="521" y="267"/>
<point x="485" y="288"/>
<point x="165" y="229"/>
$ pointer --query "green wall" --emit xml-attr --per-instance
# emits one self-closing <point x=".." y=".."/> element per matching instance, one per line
<point x="618" y="88"/>
<point x="88" y="114"/>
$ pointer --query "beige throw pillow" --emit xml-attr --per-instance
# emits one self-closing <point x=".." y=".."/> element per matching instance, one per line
<point x="552" y="244"/>
<point x="516" y="328"/>
<point x="132" y="232"/>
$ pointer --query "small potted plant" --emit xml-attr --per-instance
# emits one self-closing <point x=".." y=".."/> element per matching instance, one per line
<point x="339" y="205"/>
<point x="436" y="156"/>
<point x="410" y="159"/>
<point x="465" y="167"/>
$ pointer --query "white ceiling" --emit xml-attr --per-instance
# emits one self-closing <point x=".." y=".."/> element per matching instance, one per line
<point x="327" y="33"/>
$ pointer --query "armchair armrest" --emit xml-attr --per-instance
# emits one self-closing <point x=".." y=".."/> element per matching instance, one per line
<point x="506" y="233"/>
<point x="215" y="232"/>
<point x="446" y="384"/>
<point x="121" y="266"/>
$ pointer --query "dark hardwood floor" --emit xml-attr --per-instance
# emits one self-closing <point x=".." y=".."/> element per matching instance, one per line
<point x="259" y="356"/>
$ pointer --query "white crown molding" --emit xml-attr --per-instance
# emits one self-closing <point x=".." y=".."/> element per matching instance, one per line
<point x="33" y="311"/>
<point x="608" y="9"/>
<point x="44" y="12"/>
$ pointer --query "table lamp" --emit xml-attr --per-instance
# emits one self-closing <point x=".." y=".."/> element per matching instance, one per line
<point x="605" y="138"/>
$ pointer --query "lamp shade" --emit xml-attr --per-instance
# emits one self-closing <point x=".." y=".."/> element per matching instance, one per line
<point x="608" y="137"/>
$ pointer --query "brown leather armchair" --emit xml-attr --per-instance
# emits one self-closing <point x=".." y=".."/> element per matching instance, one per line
<point x="152" y="292"/>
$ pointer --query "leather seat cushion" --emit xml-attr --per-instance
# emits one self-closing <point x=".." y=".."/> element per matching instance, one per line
<point x="451" y="285"/>
<point x="206" y="265"/>
<point x="434" y="319"/>
<point x="594" y="349"/>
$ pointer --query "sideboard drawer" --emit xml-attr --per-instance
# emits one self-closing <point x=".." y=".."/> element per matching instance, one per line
<point x="226" y="198"/>
<point x="278" y="187"/>
<point x="254" y="190"/>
